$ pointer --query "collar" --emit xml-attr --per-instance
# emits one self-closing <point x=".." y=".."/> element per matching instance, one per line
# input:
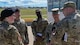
<point x="5" y="24"/>
<point x="17" y="21"/>
<point x="70" y="16"/>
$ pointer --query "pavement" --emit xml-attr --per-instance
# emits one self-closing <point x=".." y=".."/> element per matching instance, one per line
<point x="28" y="23"/>
<point x="30" y="35"/>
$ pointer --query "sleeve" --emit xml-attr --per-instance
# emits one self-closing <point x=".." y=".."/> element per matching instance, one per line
<point x="60" y="29"/>
<point x="44" y="30"/>
<point x="26" y="35"/>
<point x="16" y="37"/>
<point x="48" y="33"/>
<point x="33" y="28"/>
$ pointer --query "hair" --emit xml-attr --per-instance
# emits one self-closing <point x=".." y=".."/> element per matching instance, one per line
<point x="6" y="13"/>
<point x="17" y="10"/>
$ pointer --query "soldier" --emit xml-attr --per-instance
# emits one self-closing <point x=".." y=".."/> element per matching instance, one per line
<point x="9" y="35"/>
<point x="51" y="28"/>
<point x="21" y="26"/>
<point x="70" y="25"/>
<point x="38" y="28"/>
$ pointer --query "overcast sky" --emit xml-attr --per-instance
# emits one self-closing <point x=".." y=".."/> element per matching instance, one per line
<point x="26" y="3"/>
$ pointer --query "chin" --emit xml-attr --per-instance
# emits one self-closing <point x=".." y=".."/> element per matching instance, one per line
<point x="12" y="22"/>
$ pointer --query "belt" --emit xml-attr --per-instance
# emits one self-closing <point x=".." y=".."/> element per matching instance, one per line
<point x="39" y="34"/>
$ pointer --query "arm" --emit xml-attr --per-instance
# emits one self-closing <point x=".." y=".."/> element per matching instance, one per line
<point x="26" y="35"/>
<point x="48" y="33"/>
<point x="44" y="30"/>
<point x="33" y="28"/>
<point x="16" y="37"/>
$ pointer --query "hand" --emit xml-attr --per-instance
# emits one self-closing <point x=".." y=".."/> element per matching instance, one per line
<point x="48" y="43"/>
<point x="25" y="44"/>
<point x="19" y="38"/>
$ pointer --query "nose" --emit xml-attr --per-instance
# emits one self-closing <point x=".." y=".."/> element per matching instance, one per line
<point x="14" y="17"/>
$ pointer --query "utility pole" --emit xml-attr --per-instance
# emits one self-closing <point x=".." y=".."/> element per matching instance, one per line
<point x="77" y="4"/>
<point x="59" y="4"/>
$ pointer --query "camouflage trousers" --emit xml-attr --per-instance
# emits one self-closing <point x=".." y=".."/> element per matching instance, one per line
<point x="56" y="42"/>
<point x="70" y="42"/>
<point x="39" y="41"/>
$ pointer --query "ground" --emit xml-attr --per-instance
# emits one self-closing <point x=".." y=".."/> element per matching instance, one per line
<point x="30" y="35"/>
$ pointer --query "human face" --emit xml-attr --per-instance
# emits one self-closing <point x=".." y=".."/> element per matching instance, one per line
<point x="11" y="18"/>
<point x="56" y="17"/>
<point x="17" y="15"/>
<point x="68" y="10"/>
<point x="38" y="14"/>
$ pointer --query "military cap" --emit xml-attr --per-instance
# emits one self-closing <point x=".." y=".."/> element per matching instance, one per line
<point x="38" y="10"/>
<point x="55" y="10"/>
<point x="69" y="4"/>
<point x="6" y="13"/>
<point x="16" y="10"/>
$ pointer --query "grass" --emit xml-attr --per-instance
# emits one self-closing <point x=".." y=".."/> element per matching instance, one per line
<point x="29" y="14"/>
<point x="31" y="11"/>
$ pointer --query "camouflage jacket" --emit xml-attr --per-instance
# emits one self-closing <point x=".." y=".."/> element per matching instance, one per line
<point x="39" y="26"/>
<point x="22" y="28"/>
<point x="51" y="28"/>
<point x="70" y="25"/>
<point x="8" y="34"/>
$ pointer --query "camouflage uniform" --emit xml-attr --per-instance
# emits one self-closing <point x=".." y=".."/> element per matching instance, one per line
<point x="70" y="27"/>
<point x="9" y="34"/>
<point x="38" y="29"/>
<point x="54" y="37"/>
<point x="49" y="32"/>
<point x="22" y="28"/>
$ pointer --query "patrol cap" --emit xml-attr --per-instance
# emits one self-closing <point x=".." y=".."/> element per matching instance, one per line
<point x="69" y="4"/>
<point x="6" y="13"/>
<point x="55" y="10"/>
<point x="38" y="10"/>
<point x="16" y="10"/>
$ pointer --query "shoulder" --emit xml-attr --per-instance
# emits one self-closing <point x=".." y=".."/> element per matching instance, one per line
<point x="12" y="27"/>
<point x="50" y="25"/>
<point x="1" y="26"/>
<point x="34" y="20"/>
<point x="44" y="19"/>
<point x="22" y="21"/>
<point x="77" y="16"/>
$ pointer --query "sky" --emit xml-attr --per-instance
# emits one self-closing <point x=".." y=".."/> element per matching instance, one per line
<point x="24" y="3"/>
